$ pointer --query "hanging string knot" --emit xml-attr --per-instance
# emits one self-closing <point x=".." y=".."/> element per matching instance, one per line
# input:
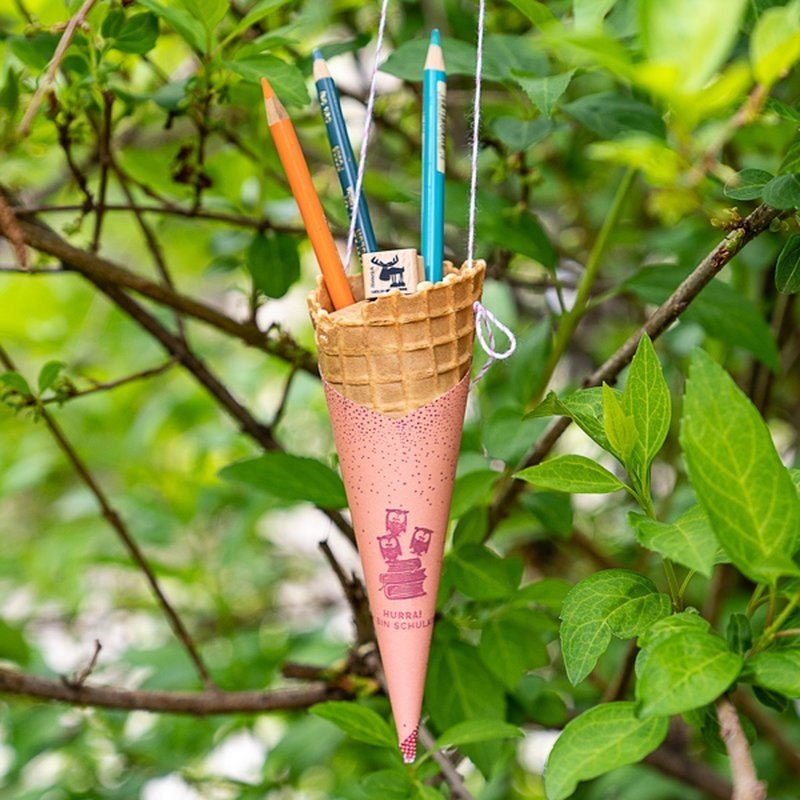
<point x="485" y="322"/>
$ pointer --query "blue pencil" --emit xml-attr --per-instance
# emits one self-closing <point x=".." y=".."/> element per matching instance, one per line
<point x="434" y="89"/>
<point x="342" y="152"/>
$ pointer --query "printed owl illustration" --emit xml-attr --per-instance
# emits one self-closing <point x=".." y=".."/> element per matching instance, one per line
<point x="390" y="547"/>
<point x="421" y="541"/>
<point x="396" y="521"/>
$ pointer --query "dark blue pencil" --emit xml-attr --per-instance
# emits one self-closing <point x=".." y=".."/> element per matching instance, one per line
<point x="342" y="151"/>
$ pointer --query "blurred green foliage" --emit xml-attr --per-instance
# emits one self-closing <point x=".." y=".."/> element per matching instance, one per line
<point x="616" y="138"/>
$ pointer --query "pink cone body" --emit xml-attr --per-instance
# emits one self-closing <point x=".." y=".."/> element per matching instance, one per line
<point x="398" y="473"/>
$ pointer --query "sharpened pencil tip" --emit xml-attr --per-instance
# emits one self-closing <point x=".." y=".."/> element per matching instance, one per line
<point x="269" y="92"/>
<point x="317" y="54"/>
<point x="435" y="38"/>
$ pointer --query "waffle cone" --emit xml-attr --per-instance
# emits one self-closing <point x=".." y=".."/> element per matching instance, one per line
<point x="398" y="352"/>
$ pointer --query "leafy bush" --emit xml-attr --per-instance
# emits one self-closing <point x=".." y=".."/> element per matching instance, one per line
<point x="167" y="464"/>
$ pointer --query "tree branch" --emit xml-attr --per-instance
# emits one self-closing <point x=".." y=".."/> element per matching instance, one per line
<point x="55" y="63"/>
<point x="746" y="785"/>
<point x="96" y="269"/>
<point x="747" y="229"/>
<point x="197" y="703"/>
<point x="113" y="518"/>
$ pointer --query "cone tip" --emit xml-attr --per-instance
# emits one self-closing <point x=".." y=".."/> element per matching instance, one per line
<point x="435" y="38"/>
<point x="317" y="54"/>
<point x="408" y="747"/>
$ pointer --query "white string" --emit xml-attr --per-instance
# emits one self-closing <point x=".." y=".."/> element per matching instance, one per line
<point x="476" y="124"/>
<point x="362" y="161"/>
<point x="484" y="319"/>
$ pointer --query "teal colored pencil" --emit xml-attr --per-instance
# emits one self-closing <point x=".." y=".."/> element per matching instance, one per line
<point x="434" y="89"/>
<point x="342" y="151"/>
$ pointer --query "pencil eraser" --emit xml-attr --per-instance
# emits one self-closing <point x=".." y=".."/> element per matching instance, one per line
<point x="390" y="270"/>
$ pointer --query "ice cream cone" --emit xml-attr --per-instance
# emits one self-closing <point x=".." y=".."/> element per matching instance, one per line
<point x="396" y="375"/>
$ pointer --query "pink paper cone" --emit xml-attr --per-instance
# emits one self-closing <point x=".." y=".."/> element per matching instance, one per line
<point x="398" y="474"/>
<point x="396" y="374"/>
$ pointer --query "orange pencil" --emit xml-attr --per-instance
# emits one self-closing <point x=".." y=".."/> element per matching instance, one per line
<point x="294" y="164"/>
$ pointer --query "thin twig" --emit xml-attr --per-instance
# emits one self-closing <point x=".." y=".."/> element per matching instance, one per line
<point x="82" y="676"/>
<point x="450" y="774"/>
<point x="113" y="518"/>
<point x="109" y="385"/>
<point x="55" y="63"/>
<point x="197" y="703"/>
<point x="746" y="785"/>
<point x="769" y="728"/>
<point x="356" y="597"/>
<point x="104" y="159"/>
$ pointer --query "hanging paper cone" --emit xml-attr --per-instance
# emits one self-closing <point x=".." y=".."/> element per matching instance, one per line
<point x="396" y="376"/>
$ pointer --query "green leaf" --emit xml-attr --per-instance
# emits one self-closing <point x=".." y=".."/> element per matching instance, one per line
<point x="552" y="509"/>
<point x="787" y="270"/>
<point x="357" y="721"/>
<point x="620" y="428"/>
<point x="209" y="12"/>
<point x="547" y="592"/>
<point x="613" y="602"/>
<point x="775" y="43"/>
<point x="544" y="92"/>
<point x="460" y="688"/>
<point x="16" y="382"/>
<point x="13" y="646"/>
<point x="610" y="115"/>
<point x="686" y="670"/>
<point x="520" y="134"/>
<point x="48" y="374"/>
<point x="480" y="573"/>
<point x="290" y="477"/>
<point x="584" y="408"/>
<point x="739" y="633"/>
<point x="538" y="13"/>
<point x="287" y="80"/>
<point x="603" y="738"/>
<point x="510" y="646"/>
<point x="782" y="192"/>
<point x="688" y="541"/>
<point x="686" y="621"/>
<point x="472" y="489"/>
<point x="777" y="670"/>
<point x="260" y="10"/>
<point x="647" y="400"/>
<point x="737" y="474"/>
<point x="472" y="527"/>
<point x="571" y="474"/>
<point x="719" y="309"/>
<point x="791" y="161"/>
<point x="748" y="184"/>
<point x="182" y="22"/>
<point x="273" y="262"/>
<point x="589" y="14"/>
<point x="137" y="35"/>
<point x="690" y="39"/>
<point x="388" y="785"/>
<point x="477" y="730"/>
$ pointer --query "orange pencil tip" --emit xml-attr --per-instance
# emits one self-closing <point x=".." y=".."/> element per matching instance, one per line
<point x="267" y="89"/>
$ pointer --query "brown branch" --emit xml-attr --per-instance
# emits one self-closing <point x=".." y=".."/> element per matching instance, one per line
<point x="104" y="159"/>
<point x="113" y="518"/>
<point x="769" y="729"/>
<point x="746" y="230"/>
<point x="356" y="597"/>
<point x="9" y="227"/>
<point x="65" y="142"/>
<point x="108" y="386"/>
<point x="82" y="676"/>
<point x="693" y="773"/>
<point x="746" y="785"/>
<point x="212" y="701"/>
<point x="96" y="268"/>
<point x="55" y="63"/>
